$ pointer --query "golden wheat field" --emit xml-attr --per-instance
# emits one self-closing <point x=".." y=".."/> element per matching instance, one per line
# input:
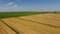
<point x="33" y="24"/>
<point x="5" y="30"/>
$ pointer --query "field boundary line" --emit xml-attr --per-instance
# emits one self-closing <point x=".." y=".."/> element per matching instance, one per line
<point x="10" y="27"/>
<point x="40" y="23"/>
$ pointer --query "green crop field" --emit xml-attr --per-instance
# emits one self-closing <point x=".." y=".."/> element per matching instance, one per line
<point x="16" y="14"/>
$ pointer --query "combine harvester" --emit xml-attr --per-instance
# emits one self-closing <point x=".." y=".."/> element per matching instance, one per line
<point x="33" y="24"/>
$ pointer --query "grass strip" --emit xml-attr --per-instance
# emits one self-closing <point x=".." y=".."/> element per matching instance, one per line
<point x="10" y="27"/>
<point x="40" y="23"/>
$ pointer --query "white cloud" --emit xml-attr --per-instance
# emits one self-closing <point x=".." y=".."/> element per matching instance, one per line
<point x="10" y="3"/>
<point x="15" y="5"/>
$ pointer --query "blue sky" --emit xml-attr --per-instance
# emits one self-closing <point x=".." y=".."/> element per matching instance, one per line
<point x="29" y="5"/>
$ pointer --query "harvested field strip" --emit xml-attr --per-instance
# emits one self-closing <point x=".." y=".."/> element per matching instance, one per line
<point x="28" y="27"/>
<point x="2" y="29"/>
<point x="5" y="30"/>
<point x="53" y="19"/>
<point x="40" y="23"/>
<point x="21" y="26"/>
<point x="10" y="27"/>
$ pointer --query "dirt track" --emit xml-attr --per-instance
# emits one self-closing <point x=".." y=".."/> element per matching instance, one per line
<point x="30" y="25"/>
